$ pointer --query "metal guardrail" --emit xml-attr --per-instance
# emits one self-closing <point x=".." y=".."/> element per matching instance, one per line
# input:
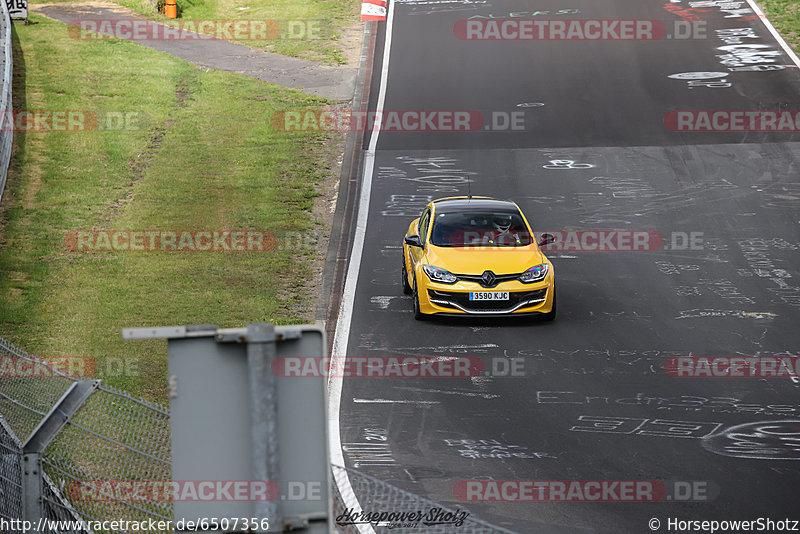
<point x="6" y="118"/>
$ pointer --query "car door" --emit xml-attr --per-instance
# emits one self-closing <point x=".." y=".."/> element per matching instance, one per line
<point x="417" y="252"/>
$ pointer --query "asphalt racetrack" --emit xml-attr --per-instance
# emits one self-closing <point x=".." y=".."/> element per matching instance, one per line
<point x="589" y="135"/>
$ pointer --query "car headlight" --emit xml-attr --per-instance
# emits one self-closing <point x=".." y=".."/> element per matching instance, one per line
<point x="437" y="274"/>
<point x="534" y="274"/>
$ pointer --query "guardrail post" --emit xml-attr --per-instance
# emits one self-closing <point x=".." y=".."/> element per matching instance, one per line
<point x="264" y="406"/>
<point x="32" y="487"/>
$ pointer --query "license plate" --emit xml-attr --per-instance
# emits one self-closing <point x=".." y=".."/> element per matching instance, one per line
<point x="488" y="295"/>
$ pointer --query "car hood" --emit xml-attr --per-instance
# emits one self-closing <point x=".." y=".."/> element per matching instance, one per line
<point x="476" y="260"/>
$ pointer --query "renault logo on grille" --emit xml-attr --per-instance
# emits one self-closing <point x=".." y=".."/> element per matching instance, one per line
<point x="488" y="279"/>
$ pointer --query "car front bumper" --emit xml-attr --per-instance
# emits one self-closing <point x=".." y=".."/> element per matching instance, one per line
<point x="442" y="299"/>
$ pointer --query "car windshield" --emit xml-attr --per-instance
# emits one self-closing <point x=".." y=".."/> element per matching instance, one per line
<point x="480" y="229"/>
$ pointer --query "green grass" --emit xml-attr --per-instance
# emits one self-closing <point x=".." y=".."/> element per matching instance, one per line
<point x="785" y="16"/>
<point x="320" y="43"/>
<point x="207" y="159"/>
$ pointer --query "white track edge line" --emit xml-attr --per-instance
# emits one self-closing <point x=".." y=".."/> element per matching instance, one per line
<point x="342" y="334"/>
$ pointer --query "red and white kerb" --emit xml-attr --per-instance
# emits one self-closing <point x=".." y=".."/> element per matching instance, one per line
<point x="373" y="10"/>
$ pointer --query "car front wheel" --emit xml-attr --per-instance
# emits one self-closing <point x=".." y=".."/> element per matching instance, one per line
<point x="406" y="288"/>
<point x="418" y="315"/>
<point x="551" y="315"/>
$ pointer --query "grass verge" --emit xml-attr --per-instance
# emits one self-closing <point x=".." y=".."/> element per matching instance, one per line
<point x="201" y="155"/>
<point x="785" y="16"/>
<point x="309" y="29"/>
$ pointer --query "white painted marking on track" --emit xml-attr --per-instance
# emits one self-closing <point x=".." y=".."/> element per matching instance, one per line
<point x="383" y="301"/>
<point x="452" y="392"/>
<point x="394" y="401"/>
<point x="481" y="382"/>
<point x="442" y="347"/>
<point x="342" y="335"/>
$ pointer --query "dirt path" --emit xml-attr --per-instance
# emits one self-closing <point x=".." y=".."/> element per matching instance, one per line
<point x="334" y="83"/>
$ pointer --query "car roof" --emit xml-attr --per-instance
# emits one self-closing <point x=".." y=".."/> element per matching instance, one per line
<point x="473" y="204"/>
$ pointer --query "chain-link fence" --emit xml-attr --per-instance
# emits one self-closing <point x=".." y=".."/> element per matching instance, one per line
<point x="10" y="475"/>
<point x="375" y="496"/>
<point x="110" y="437"/>
<point x="109" y="440"/>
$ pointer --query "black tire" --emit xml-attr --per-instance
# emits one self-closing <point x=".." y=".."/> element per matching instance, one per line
<point x="418" y="315"/>
<point x="551" y="316"/>
<point x="404" y="273"/>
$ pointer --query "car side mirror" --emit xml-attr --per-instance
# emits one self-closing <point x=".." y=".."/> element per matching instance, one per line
<point x="547" y="239"/>
<point x="413" y="240"/>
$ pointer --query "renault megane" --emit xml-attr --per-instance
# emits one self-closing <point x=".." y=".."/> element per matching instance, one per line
<point x="476" y="256"/>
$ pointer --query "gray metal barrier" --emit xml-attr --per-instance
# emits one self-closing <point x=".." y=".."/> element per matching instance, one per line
<point x="6" y="118"/>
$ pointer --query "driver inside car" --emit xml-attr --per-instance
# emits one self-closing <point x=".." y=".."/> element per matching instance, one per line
<point x="501" y="234"/>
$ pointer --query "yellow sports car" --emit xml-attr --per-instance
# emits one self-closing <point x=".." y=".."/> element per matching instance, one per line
<point x="476" y="256"/>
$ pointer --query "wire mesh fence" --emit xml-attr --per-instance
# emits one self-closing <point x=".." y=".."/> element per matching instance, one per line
<point x="112" y="437"/>
<point x="405" y="512"/>
<point x="113" y="440"/>
<point x="29" y="388"/>
<point x="10" y="476"/>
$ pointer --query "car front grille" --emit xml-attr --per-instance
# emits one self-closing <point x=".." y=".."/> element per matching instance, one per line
<point x="498" y="278"/>
<point x="460" y="300"/>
